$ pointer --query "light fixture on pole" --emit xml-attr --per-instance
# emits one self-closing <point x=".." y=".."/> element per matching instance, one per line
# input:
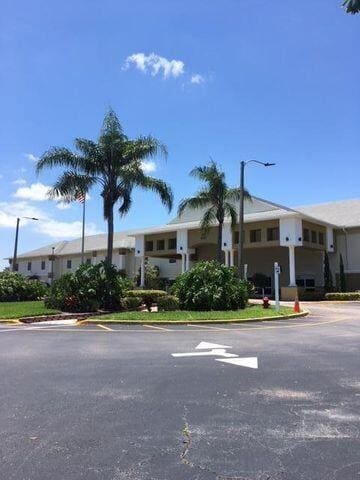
<point x="14" y="260"/>
<point x="241" y="212"/>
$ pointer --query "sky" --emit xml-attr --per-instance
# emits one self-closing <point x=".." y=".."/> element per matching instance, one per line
<point x="232" y="80"/>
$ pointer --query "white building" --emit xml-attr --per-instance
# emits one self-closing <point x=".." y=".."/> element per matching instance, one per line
<point x="295" y="237"/>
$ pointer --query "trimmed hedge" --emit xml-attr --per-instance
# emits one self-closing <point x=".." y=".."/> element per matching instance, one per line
<point x="343" y="296"/>
<point x="148" y="296"/>
<point x="168" y="303"/>
<point x="131" y="303"/>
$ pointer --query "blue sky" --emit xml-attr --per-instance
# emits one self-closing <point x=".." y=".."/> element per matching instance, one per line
<point x="276" y="81"/>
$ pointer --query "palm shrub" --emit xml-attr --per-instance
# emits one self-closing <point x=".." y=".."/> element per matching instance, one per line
<point x="210" y="285"/>
<point x="14" y="287"/>
<point x="89" y="288"/>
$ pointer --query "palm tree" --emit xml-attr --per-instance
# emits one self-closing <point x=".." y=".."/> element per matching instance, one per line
<point x="114" y="163"/>
<point x="352" y="6"/>
<point x="217" y="197"/>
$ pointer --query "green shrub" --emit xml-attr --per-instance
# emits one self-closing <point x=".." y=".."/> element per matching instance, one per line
<point x="131" y="303"/>
<point x="148" y="296"/>
<point x="14" y="287"/>
<point x="311" y="296"/>
<point x="89" y="288"/>
<point x="210" y="285"/>
<point x="343" y="296"/>
<point x="168" y="303"/>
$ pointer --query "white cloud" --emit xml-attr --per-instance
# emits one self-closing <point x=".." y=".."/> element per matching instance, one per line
<point x="31" y="157"/>
<point x="63" y="205"/>
<point x="148" y="166"/>
<point x="197" y="79"/>
<point x="19" y="181"/>
<point x="46" y="225"/>
<point x="37" y="192"/>
<point x="56" y="229"/>
<point x="155" y="64"/>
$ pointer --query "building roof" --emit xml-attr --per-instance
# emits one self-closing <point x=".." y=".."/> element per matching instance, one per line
<point x="342" y="213"/>
<point x="92" y="243"/>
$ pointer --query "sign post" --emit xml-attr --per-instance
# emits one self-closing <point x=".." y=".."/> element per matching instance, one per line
<point x="277" y="270"/>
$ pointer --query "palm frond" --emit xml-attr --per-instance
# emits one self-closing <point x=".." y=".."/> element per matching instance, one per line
<point x="193" y="203"/>
<point x="57" y="157"/>
<point x="230" y="211"/>
<point x="160" y="187"/>
<point x="126" y="201"/>
<point x="70" y="184"/>
<point x="144" y="147"/>
<point x="234" y="194"/>
<point x="208" y="219"/>
<point x="352" y="6"/>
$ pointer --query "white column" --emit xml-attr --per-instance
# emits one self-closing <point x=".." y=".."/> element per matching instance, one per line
<point x="231" y="258"/>
<point x="292" y="271"/>
<point x="122" y="262"/>
<point x="142" y="272"/>
<point x="182" y="262"/>
<point x="187" y="261"/>
<point x="226" y="258"/>
<point x="245" y="271"/>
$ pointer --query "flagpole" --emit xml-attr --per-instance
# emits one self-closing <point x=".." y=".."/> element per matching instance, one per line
<point x="83" y="233"/>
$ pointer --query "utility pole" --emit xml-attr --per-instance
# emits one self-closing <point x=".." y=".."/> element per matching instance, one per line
<point x="14" y="260"/>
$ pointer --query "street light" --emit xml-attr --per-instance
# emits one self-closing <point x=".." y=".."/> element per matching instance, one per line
<point x="14" y="261"/>
<point x="241" y="213"/>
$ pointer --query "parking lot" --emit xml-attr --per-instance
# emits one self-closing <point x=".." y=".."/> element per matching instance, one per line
<point x="270" y="400"/>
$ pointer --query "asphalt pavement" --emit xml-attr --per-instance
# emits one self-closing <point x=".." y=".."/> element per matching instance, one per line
<point x="116" y="404"/>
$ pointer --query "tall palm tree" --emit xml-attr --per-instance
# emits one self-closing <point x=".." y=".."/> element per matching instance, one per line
<point x="352" y="6"/>
<point x="217" y="197"/>
<point x="114" y="163"/>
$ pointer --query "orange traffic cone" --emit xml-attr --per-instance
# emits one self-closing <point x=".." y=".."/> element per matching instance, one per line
<point x="297" y="305"/>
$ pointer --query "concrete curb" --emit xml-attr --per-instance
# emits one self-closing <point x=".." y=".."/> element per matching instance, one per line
<point x="10" y="321"/>
<point x="304" y="313"/>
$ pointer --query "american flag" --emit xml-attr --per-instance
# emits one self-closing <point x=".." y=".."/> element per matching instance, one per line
<point x="80" y="196"/>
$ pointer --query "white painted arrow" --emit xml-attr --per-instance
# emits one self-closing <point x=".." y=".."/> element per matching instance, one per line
<point x="249" y="362"/>
<point x="206" y="345"/>
<point x="217" y="352"/>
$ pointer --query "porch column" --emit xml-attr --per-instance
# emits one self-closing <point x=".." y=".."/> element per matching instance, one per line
<point x="187" y="261"/>
<point x="142" y="272"/>
<point x="231" y="258"/>
<point x="292" y="271"/>
<point x="182" y="262"/>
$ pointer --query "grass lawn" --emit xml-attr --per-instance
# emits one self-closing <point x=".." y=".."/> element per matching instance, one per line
<point x="10" y="310"/>
<point x="253" y="311"/>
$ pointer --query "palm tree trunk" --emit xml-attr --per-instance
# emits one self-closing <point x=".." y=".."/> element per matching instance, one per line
<point x="110" y="239"/>
<point x="219" y="243"/>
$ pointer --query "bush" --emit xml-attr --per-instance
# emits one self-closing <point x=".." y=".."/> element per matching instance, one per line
<point x="148" y="296"/>
<point x="14" y="287"/>
<point x="210" y="285"/>
<point x="343" y="296"/>
<point x="311" y="296"/>
<point x="131" y="303"/>
<point x="89" y="288"/>
<point x="168" y="303"/>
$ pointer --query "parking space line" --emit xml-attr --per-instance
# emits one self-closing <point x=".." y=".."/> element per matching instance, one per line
<point x="105" y="328"/>
<point x="158" y="328"/>
<point x="207" y="327"/>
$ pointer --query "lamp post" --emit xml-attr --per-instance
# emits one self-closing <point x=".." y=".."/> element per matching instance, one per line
<point x="241" y="212"/>
<point x="16" y="240"/>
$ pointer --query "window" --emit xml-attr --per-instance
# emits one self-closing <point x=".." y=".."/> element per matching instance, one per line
<point x="306" y="235"/>
<point x="236" y="237"/>
<point x="29" y="266"/>
<point x="43" y="264"/>
<point x="172" y="244"/>
<point x="160" y="245"/>
<point x="88" y="261"/>
<point x="272" y="234"/>
<point x="68" y="263"/>
<point x="321" y="238"/>
<point x="255" y="235"/>
<point x="16" y="267"/>
<point x="313" y="236"/>
<point x="306" y="282"/>
<point x="149" y="245"/>
<point x="172" y="260"/>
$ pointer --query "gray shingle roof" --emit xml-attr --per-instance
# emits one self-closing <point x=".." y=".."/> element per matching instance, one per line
<point x="92" y="243"/>
<point x="343" y="213"/>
